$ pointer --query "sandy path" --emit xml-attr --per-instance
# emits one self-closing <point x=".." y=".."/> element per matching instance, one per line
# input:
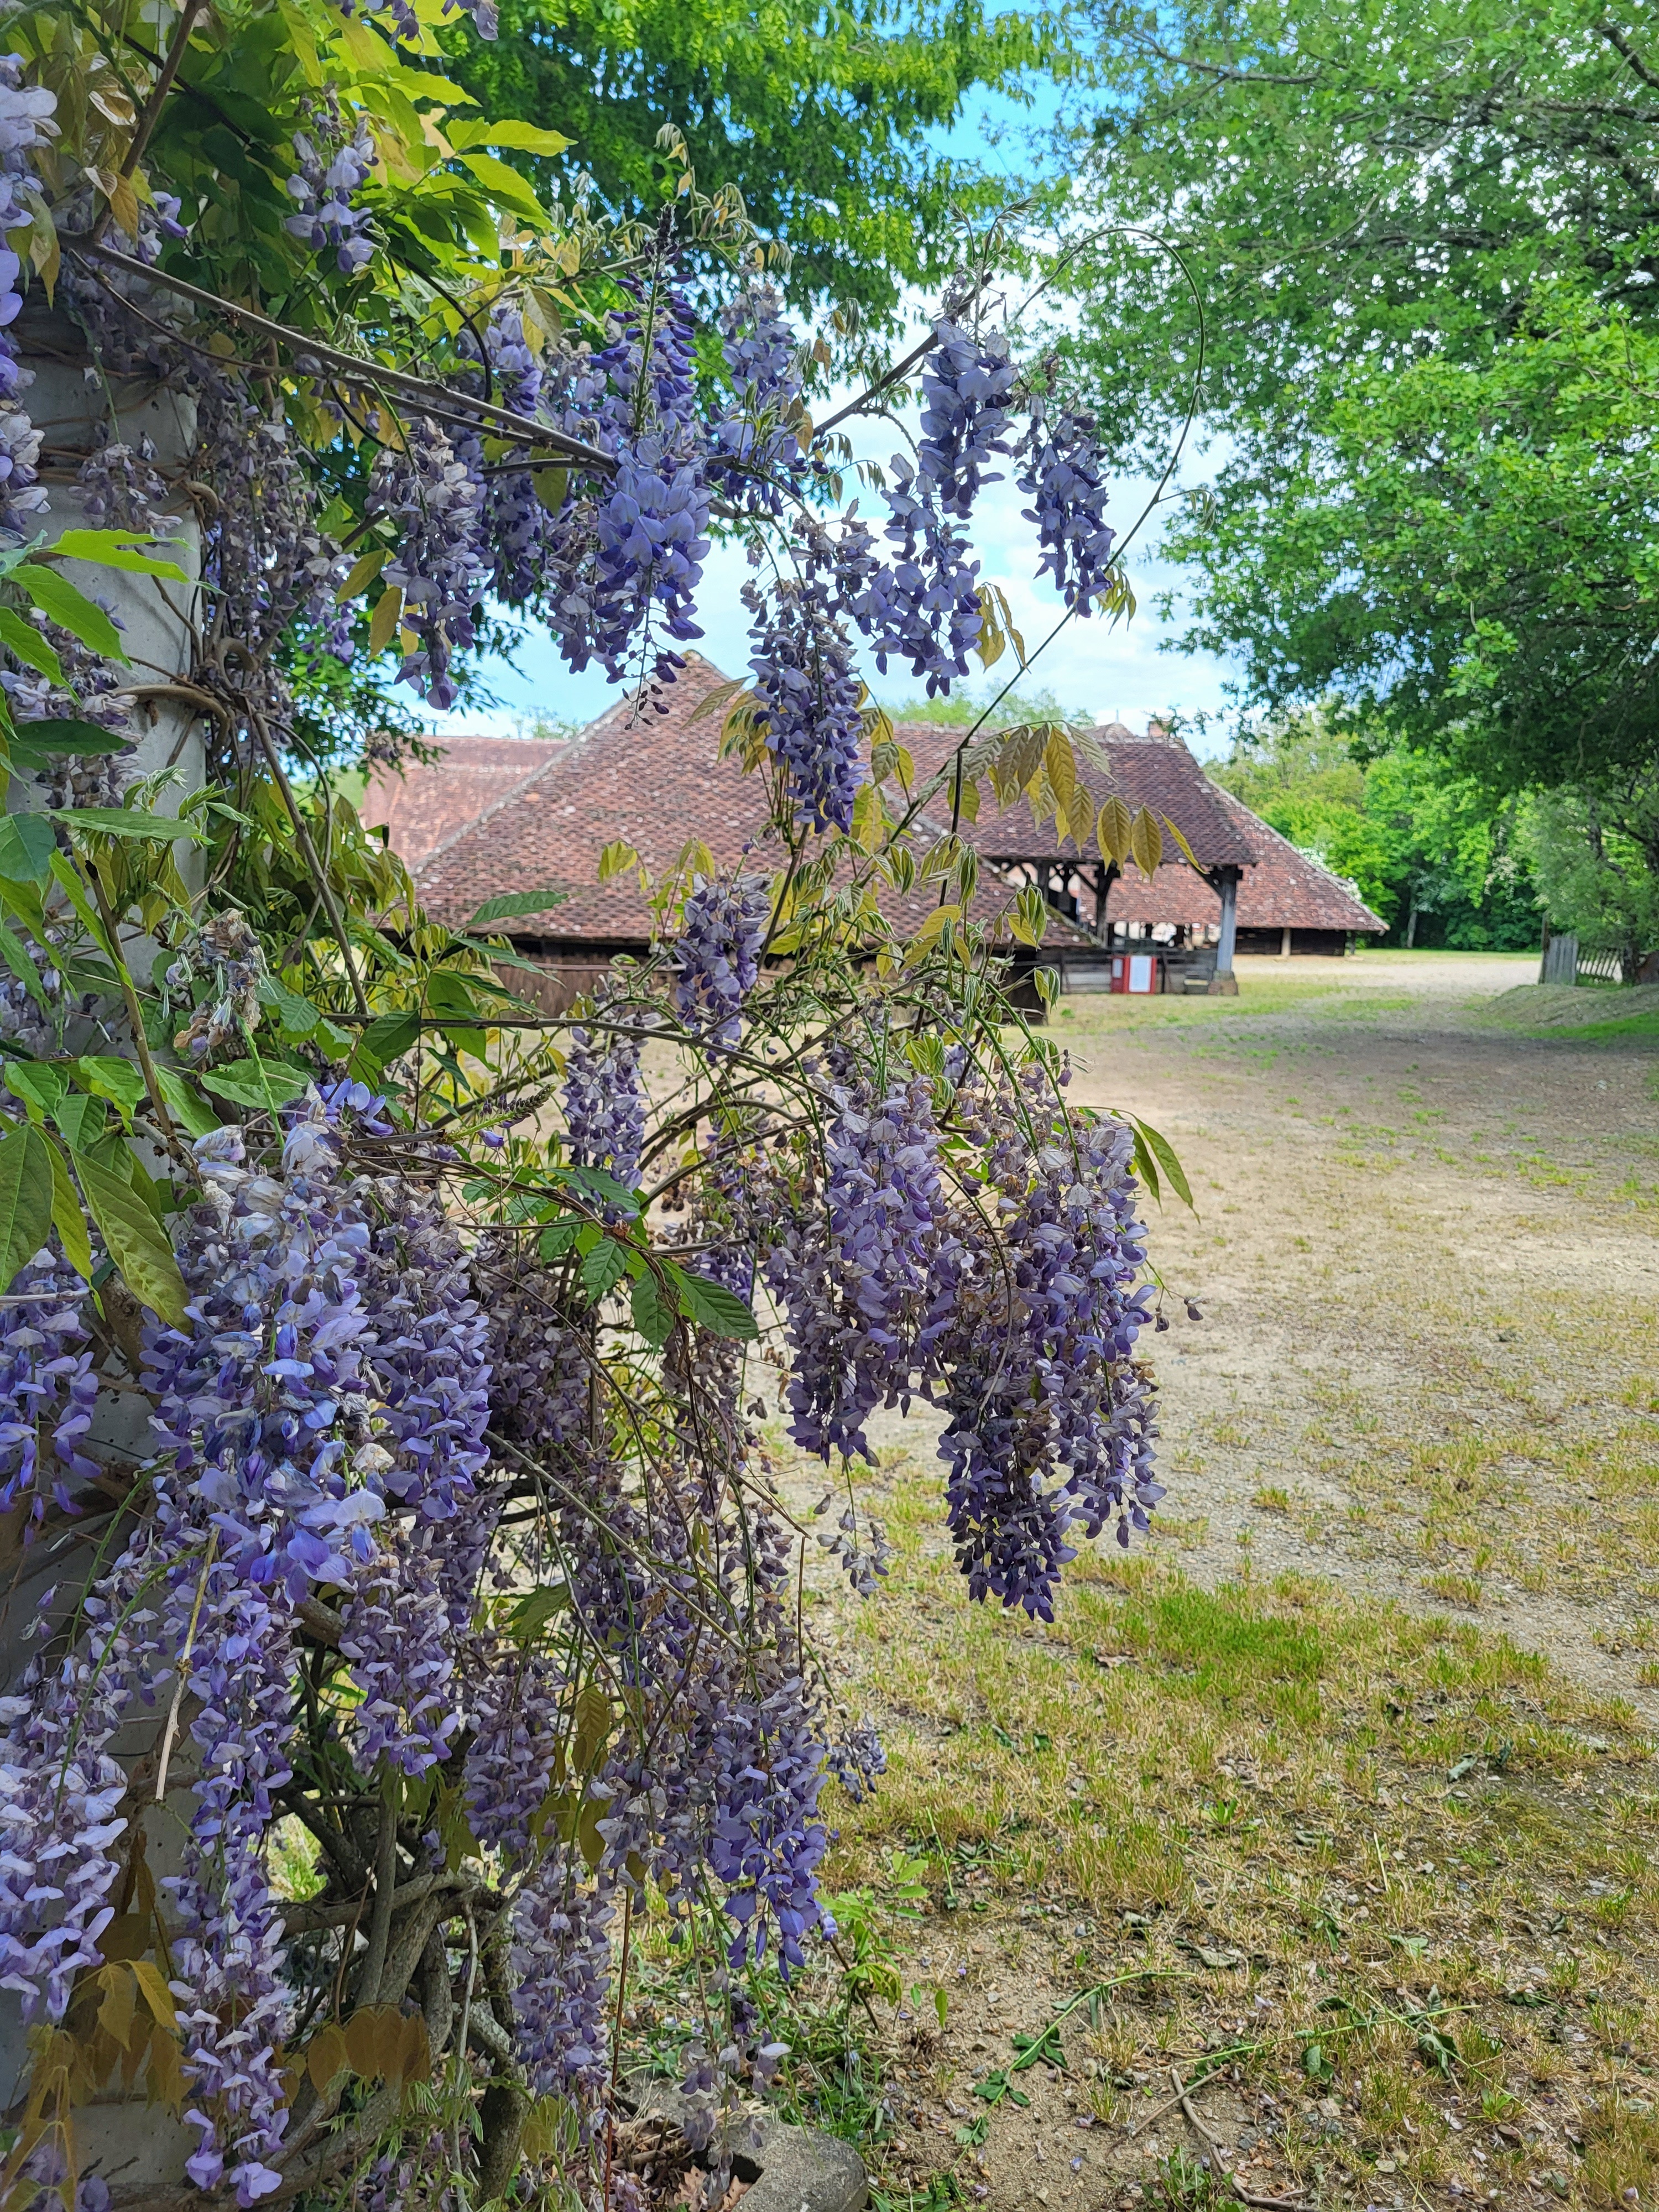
<point x="1426" y="1254"/>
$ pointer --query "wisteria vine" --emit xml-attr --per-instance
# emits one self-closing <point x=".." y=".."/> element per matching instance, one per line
<point x="387" y="1377"/>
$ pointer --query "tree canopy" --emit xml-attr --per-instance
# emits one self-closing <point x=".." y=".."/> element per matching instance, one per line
<point x="1425" y="848"/>
<point x="820" y="116"/>
<point x="1424" y="234"/>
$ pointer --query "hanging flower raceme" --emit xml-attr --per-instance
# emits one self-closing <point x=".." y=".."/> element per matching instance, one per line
<point x="717" y="955"/>
<point x="331" y="168"/>
<point x="757" y="442"/>
<point x="866" y="1271"/>
<point x="27" y="114"/>
<point x="603" y="1096"/>
<point x="434" y="499"/>
<point x="1050" y="1424"/>
<point x="648" y="527"/>
<point x="925" y="608"/>
<point x="965" y="382"/>
<point x="122" y="489"/>
<point x="802" y="664"/>
<point x="517" y="522"/>
<point x="48" y="1390"/>
<point x="1065" y="476"/>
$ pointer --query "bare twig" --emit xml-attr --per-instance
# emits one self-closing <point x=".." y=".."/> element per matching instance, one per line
<point x="135" y="1023"/>
<point x="1183" y="2098"/>
<point x="385" y="1889"/>
<point x="145" y="126"/>
<point x="325" y="889"/>
<point x="183" y="1663"/>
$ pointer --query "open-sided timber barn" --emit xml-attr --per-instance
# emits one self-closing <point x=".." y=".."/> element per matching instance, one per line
<point x="654" y="779"/>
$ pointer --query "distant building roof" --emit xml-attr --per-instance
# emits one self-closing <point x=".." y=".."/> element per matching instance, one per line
<point x="422" y="806"/>
<point x="1285" y="890"/>
<point x="648" y="773"/>
<point x="1154" y="770"/>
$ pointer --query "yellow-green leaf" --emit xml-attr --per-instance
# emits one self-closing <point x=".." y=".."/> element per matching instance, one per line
<point x="133" y="1240"/>
<point x="1187" y="853"/>
<point x="384" y="620"/>
<point x="157" y="1996"/>
<point x="592" y="1727"/>
<point x="868" y="825"/>
<point x="1113" y="829"/>
<point x="115" y="2013"/>
<point x="71" y="609"/>
<point x="519" y="137"/>
<point x="25" y="1198"/>
<point x="1060" y="763"/>
<point x="67" y="1218"/>
<point x="1146" y="842"/>
<point x="507" y="186"/>
<point x="364" y="570"/>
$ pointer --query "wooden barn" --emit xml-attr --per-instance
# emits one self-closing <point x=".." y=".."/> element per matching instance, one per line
<point x="502" y="814"/>
<point x="651" y="780"/>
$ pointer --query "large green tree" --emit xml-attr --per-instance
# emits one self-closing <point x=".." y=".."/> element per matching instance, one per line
<point x="824" y="117"/>
<point x="1425" y="236"/>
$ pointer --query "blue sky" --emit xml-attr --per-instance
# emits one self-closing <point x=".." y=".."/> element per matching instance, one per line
<point x="1092" y="668"/>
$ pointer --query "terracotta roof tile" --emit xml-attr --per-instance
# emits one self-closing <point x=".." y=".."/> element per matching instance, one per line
<point x="424" y="805"/>
<point x="654" y="779"/>
<point x="1156" y="771"/>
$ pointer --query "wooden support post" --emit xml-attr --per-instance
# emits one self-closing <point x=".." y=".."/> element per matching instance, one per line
<point x="1224" y="984"/>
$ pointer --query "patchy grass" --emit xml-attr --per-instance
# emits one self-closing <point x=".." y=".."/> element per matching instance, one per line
<point x="1585" y="1015"/>
<point x="1387" y="1878"/>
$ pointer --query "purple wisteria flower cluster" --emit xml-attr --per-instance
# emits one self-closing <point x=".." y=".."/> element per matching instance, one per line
<point x="27" y="114"/>
<point x="1051" y="1423"/>
<point x="434" y="499"/>
<point x="331" y="168"/>
<point x="48" y="1388"/>
<point x="1065" y="476"/>
<point x="866" y="1275"/>
<point x="965" y="383"/>
<point x="717" y="955"/>
<point x="448" y="1547"/>
<point x="321" y="1417"/>
<point x="808" y="690"/>
<point x="1008" y="1294"/>
<point x="603" y="1097"/>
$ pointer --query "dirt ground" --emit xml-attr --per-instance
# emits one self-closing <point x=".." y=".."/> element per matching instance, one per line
<point x="1427" y="1259"/>
<point x="1338" y="1798"/>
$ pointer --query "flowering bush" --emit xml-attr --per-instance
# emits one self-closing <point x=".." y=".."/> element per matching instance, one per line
<point x="444" y="1537"/>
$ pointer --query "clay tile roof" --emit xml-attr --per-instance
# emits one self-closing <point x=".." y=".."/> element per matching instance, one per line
<point x="425" y="804"/>
<point x="1156" y="770"/>
<point x="651" y="775"/>
<point x="1286" y="888"/>
<point x="645" y="772"/>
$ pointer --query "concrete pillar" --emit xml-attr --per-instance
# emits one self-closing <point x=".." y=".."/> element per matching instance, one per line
<point x="134" y="2145"/>
<point x="1285" y="944"/>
